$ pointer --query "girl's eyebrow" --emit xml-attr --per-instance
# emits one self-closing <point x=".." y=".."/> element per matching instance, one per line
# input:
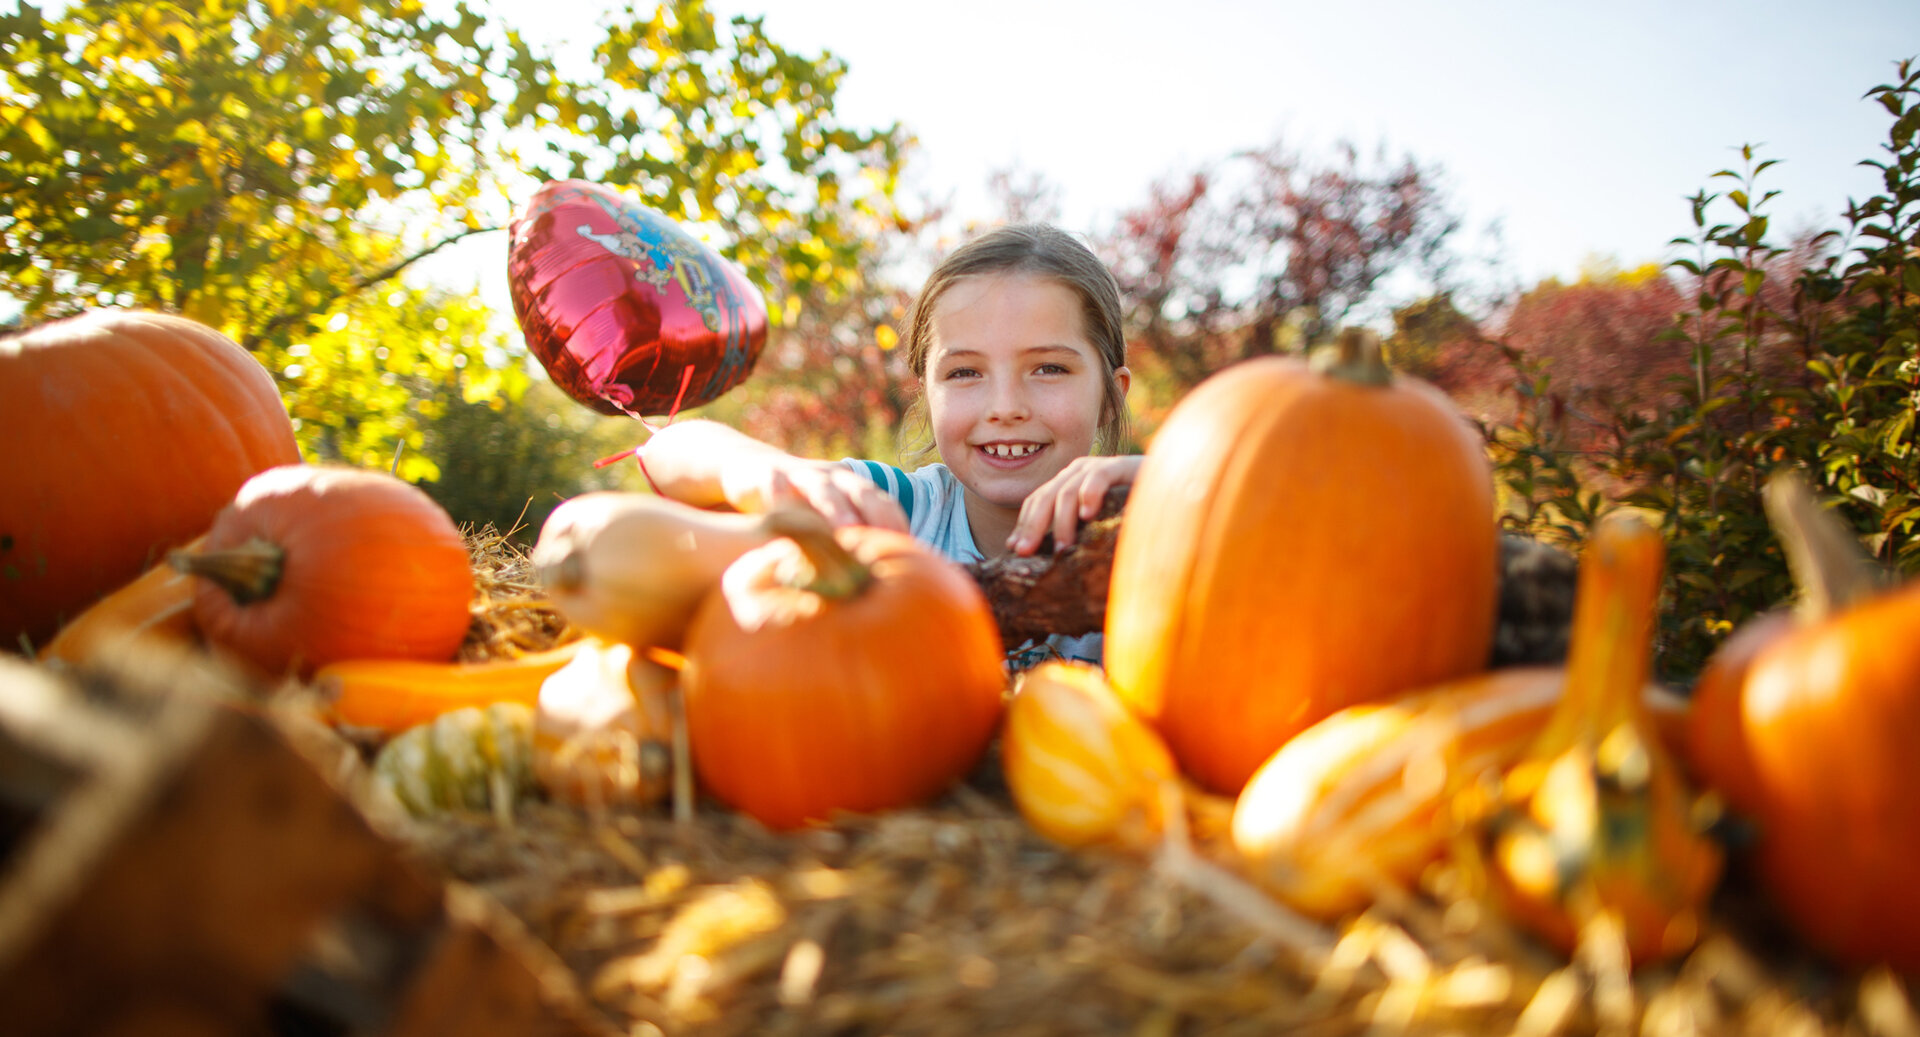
<point x="1046" y="350"/>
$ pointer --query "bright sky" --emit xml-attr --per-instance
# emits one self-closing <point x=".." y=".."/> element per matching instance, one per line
<point x="1581" y="128"/>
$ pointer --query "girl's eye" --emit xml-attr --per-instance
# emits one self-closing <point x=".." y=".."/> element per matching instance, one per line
<point x="1052" y="369"/>
<point x="962" y="372"/>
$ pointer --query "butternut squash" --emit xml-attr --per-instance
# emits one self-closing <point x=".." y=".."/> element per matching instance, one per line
<point x="393" y="695"/>
<point x="630" y="568"/>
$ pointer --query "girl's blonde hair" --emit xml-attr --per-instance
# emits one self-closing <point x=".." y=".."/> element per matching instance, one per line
<point x="1041" y="251"/>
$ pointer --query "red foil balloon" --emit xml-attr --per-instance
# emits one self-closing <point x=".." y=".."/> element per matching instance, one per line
<point x="627" y="311"/>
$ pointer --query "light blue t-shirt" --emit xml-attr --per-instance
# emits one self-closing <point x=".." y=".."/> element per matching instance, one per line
<point x="936" y="508"/>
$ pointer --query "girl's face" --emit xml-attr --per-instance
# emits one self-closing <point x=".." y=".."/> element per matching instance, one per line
<point x="1014" y="388"/>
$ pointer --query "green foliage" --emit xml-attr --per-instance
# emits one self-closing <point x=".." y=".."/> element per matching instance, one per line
<point x="507" y="463"/>
<point x="1844" y="413"/>
<point x="272" y="169"/>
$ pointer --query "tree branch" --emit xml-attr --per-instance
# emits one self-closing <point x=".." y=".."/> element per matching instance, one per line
<point x="254" y="339"/>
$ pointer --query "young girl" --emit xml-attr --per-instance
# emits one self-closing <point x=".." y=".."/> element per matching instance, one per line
<point x="1016" y="340"/>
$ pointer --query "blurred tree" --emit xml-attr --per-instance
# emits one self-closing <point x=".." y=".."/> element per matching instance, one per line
<point x="270" y="168"/>
<point x="1252" y="255"/>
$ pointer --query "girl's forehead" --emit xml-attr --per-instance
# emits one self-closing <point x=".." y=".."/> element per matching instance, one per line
<point x="1009" y="309"/>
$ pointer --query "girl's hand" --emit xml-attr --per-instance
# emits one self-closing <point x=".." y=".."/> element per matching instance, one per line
<point x="1063" y="502"/>
<point x="842" y="495"/>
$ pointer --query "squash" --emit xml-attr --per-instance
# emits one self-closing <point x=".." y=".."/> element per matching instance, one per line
<point x="601" y="729"/>
<point x="311" y="565"/>
<point x="838" y="670"/>
<point x="392" y="695"/>
<point x="631" y="568"/>
<point x="1808" y="723"/>
<point x="1596" y="817"/>
<point x="158" y="603"/>
<point x="1361" y="800"/>
<point x="1082" y="770"/>
<point x="125" y="433"/>
<point x="1302" y="537"/>
<point x="474" y="758"/>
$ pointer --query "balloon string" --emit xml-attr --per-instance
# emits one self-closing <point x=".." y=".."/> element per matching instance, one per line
<point x="686" y="379"/>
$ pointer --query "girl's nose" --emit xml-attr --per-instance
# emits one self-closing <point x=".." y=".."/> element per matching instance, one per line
<point x="1008" y="403"/>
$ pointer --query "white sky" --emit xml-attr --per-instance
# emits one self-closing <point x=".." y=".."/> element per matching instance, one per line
<point x="1580" y="128"/>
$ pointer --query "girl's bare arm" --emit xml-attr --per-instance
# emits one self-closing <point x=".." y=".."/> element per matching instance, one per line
<point x="707" y="464"/>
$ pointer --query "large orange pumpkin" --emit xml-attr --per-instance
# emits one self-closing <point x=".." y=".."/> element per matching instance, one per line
<point x="1808" y="725"/>
<point x="124" y="433"/>
<point x="1301" y="538"/>
<point x="851" y="670"/>
<point x="315" y="564"/>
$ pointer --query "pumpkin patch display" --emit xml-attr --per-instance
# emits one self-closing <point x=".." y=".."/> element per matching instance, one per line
<point x="125" y="433"/>
<point x="832" y="670"/>
<point x="1808" y="722"/>
<point x="1302" y="537"/>
<point x="311" y="565"/>
<point x="1596" y="817"/>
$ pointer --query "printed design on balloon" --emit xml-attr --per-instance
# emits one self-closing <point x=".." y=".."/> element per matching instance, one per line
<point x="663" y="253"/>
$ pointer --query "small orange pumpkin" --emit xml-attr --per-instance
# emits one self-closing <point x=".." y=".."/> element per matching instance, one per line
<point x="1808" y="721"/>
<point x="125" y="433"/>
<point x="311" y="565"/>
<point x="1302" y="537"/>
<point x="839" y="670"/>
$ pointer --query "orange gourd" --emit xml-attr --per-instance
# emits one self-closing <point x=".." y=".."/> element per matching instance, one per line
<point x="1596" y="817"/>
<point x="1361" y="800"/>
<point x="125" y="433"/>
<point x="1302" y="537"/>
<point x="839" y="670"/>
<point x="393" y="695"/>
<point x="311" y="565"/>
<point x="1082" y="770"/>
<point x="1809" y="724"/>
<point x="158" y="603"/>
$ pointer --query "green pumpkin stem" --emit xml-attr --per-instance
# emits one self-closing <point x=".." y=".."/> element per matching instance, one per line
<point x="1353" y="356"/>
<point x="248" y="573"/>
<point x="836" y="573"/>
<point x="1829" y="568"/>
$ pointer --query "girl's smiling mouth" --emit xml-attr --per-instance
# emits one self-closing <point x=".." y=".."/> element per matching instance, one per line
<point x="1008" y="452"/>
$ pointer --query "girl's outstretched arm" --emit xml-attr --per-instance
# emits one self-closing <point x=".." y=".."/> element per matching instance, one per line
<point x="706" y="464"/>
<point x="1063" y="502"/>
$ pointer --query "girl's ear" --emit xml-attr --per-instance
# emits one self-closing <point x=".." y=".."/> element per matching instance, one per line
<point x="1125" y="378"/>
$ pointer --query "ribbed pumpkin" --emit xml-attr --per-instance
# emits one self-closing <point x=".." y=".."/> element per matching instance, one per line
<point x="1361" y="799"/>
<point x="125" y="433"/>
<point x="1302" y="537"/>
<point x="473" y="758"/>
<point x="1082" y="770"/>
<point x="839" y="670"/>
<point x="1596" y="816"/>
<point x="1809" y="725"/>
<point x="311" y="565"/>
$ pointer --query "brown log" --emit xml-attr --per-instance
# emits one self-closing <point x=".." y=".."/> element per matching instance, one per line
<point x="1055" y="592"/>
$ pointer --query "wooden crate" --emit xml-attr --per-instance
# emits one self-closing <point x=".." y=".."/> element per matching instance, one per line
<point x="172" y="862"/>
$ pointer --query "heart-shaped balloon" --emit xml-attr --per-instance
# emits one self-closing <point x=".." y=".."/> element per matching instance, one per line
<point x="628" y="312"/>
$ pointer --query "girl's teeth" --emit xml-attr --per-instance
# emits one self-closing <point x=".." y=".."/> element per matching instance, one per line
<point x="1009" y="450"/>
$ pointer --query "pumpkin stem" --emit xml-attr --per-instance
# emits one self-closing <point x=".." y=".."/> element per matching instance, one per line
<point x="1353" y="356"/>
<point x="1829" y="568"/>
<point x="248" y="573"/>
<point x="836" y="573"/>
